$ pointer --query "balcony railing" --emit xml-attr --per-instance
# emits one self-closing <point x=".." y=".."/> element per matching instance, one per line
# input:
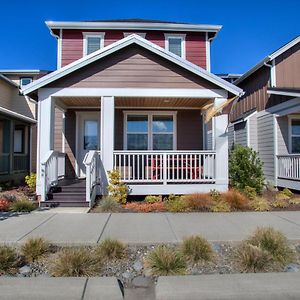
<point x="166" y="167"/>
<point x="289" y="166"/>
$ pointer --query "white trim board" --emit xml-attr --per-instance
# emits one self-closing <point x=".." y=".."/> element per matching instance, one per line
<point x="132" y="39"/>
<point x="17" y="115"/>
<point x="283" y="93"/>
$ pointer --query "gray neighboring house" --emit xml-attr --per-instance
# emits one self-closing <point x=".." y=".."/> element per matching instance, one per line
<point x="267" y="117"/>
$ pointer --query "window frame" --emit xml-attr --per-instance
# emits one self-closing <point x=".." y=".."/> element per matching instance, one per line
<point x="22" y="128"/>
<point x="86" y="35"/>
<point x="290" y="119"/>
<point x="150" y="133"/>
<point x="169" y="36"/>
<point x="22" y="78"/>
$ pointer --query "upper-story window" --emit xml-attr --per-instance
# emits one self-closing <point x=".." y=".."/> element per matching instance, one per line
<point x="175" y="43"/>
<point x="141" y="34"/>
<point x="92" y="41"/>
<point x="24" y="81"/>
<point x="295" y="134"/>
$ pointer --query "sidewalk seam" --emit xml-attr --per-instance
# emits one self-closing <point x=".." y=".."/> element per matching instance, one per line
<point x="22" y="237"/>
<point x="84" y="288"/>
<point x="104" y="228"/>
<point x="172" y="230"/>
<point x="283" y="218"/>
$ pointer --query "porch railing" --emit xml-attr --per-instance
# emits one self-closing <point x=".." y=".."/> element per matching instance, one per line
<point x="52" y="169"/>
<point x="20" y="162"/>
<point x="289" y="166"/>
<point x="4" y="163"/>
<point x="165" y="167"/>
<point x="92" y="163"/>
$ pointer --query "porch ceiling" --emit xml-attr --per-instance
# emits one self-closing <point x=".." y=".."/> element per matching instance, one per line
<point x="131" y="102"/>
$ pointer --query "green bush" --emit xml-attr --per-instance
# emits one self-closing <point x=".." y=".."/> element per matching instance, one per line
<point x="109" y="204"/>
<point x="152" y="199"/>
<point x="163" y="261"/>
<point x="245" y="169"/>
<point x="215" y="195"/>
<point x="9" y="259"/>
<point x="274" y="242"/>
<point x="116" y="188"/>
<point x="75" y="262"/>
<point x="110" y="249"/>
<point x="250" y="192"/>
<point x="175" y="204"/>
<point x="23" y="205"/>
<point x="196" y="248"/>
<point x="31" y="181"/>
<point x="34" y="248"/>
<point x="253" y="259"/>
<point x="287" y="192"/>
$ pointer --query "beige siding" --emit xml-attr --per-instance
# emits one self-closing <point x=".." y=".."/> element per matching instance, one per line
<point x="252" y="123"/>
<point x="282" y="135"/>
<point x="58" y="127"/>
<point x="5" y="94"/>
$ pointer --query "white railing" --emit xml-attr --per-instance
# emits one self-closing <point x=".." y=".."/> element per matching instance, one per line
<point x="91" y="162"/>
<point x="289" y="166"/>
<point x="52" y="169"/>
<point x="166" y="166"/>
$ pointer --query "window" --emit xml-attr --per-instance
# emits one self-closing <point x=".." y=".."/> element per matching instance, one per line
<point x="90" y="135"/>
<point x="175" y="44"/>
<point x="19" y="139"/>
<point x="24" y="81"/>
<point x="295" y="135"/>
<point x="150" y="131"/>
<point x="92" y="42"/>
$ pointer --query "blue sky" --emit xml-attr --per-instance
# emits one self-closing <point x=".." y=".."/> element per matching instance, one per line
<point x="251" y="29"/>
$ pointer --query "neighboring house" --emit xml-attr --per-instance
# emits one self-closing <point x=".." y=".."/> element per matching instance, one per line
<point x="267" y="117"/>
<point x="130" y="95"/>
<point x="17" y="125"/>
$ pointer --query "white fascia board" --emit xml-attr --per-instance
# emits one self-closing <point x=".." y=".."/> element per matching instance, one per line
<point x="16" y="115"/>
<point x="122" y="44"/>
<point x="283" y="93"/>
<point x="134" y="26"/>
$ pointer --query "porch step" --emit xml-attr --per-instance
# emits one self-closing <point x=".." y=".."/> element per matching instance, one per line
<point x="68" y="193"/>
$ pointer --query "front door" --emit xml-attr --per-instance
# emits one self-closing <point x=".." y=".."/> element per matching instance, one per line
<point x="88" y="137"/>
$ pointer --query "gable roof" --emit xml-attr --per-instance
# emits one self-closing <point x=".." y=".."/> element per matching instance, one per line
<point x="269" y="58"/>
<point x="132" y="39"/>
<point x="9" y="81"/>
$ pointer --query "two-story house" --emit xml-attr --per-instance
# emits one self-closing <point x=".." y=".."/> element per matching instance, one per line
<point x="267" y="117"/>
<point x="17" y="125"/>
<point x="135" y="96"/>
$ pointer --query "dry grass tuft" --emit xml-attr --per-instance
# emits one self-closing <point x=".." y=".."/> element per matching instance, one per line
<point x="34" y="248"/>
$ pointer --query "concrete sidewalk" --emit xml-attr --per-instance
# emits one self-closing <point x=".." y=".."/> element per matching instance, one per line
<point x="135" y="228"/>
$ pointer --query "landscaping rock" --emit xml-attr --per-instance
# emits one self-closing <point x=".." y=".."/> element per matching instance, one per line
<point x="141" y="282"/>
<point x="138" y="266"/>
<point x="292" y="268"/>
<point x="127" y="275"/>
<point x="25" y="271"/>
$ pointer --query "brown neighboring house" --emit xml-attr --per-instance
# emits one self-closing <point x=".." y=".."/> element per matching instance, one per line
<point x="17" y="125"/>
<point x="267" y="117"/>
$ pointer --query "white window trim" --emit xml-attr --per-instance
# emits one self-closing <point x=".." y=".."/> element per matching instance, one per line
<point x="290" y="118"/>
<point x="86" y="35"/>
<point x="150" y="115"/>
<point x="182" y="37"/>
<point x="141" y="34"/>
<point x="21" y="78"/>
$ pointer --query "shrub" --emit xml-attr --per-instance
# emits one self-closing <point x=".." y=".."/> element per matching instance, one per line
<point x="163" y="261"/>
<point x="4" y="205"/>
<point x="198" y="201"/>
<point x="9" y="259"/>
<point x="109" y="204"/>
<point x="260" y="204"/>
<point x="23" y="205"/>
<point x="116" y="188"/>
<point x="9" y="197"/>
<point x="253" y="259"/>
<point x="197" y="248"/>
<point x="245" y="168"/>
<point x="235" y="199"/>
<point x="274" y="242"/>
<point x="250" y="192"/>
<point x="175" y="204"/>
<point x="294" y="201"/>
<point x="280" y="203"/>
<point x="34" y="248"/>
<point x="110" y="249"/>
<point x="215" y="195"/>
<point x="220" y="206"/>
<point x="153" y="199"/>
<point x="31" y="181"/>
<point x="146" y="207"/>
<point x="281" y="196"/>
<point x="287" y="192"/>
<point x="71" y="262"/>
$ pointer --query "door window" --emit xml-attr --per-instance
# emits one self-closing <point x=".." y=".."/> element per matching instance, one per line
<point x="90" y="135"/>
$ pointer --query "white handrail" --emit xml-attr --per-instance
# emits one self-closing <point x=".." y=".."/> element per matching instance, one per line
<point x="91" y="162"/>
<point x="289" y="166"/>
<point x="52" y="168"/>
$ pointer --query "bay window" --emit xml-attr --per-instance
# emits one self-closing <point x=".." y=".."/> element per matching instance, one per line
<point x="150" y="131"/>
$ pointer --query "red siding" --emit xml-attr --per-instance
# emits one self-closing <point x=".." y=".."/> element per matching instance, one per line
<point x="72" y="44"/>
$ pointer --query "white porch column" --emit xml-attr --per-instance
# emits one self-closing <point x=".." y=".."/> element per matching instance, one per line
<point x="107" y="131"/>
<point x="45" y="133"/>
<point x="221" y="148"/>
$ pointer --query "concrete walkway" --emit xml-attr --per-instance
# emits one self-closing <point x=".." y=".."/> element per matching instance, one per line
<point x="134" y="228"/>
